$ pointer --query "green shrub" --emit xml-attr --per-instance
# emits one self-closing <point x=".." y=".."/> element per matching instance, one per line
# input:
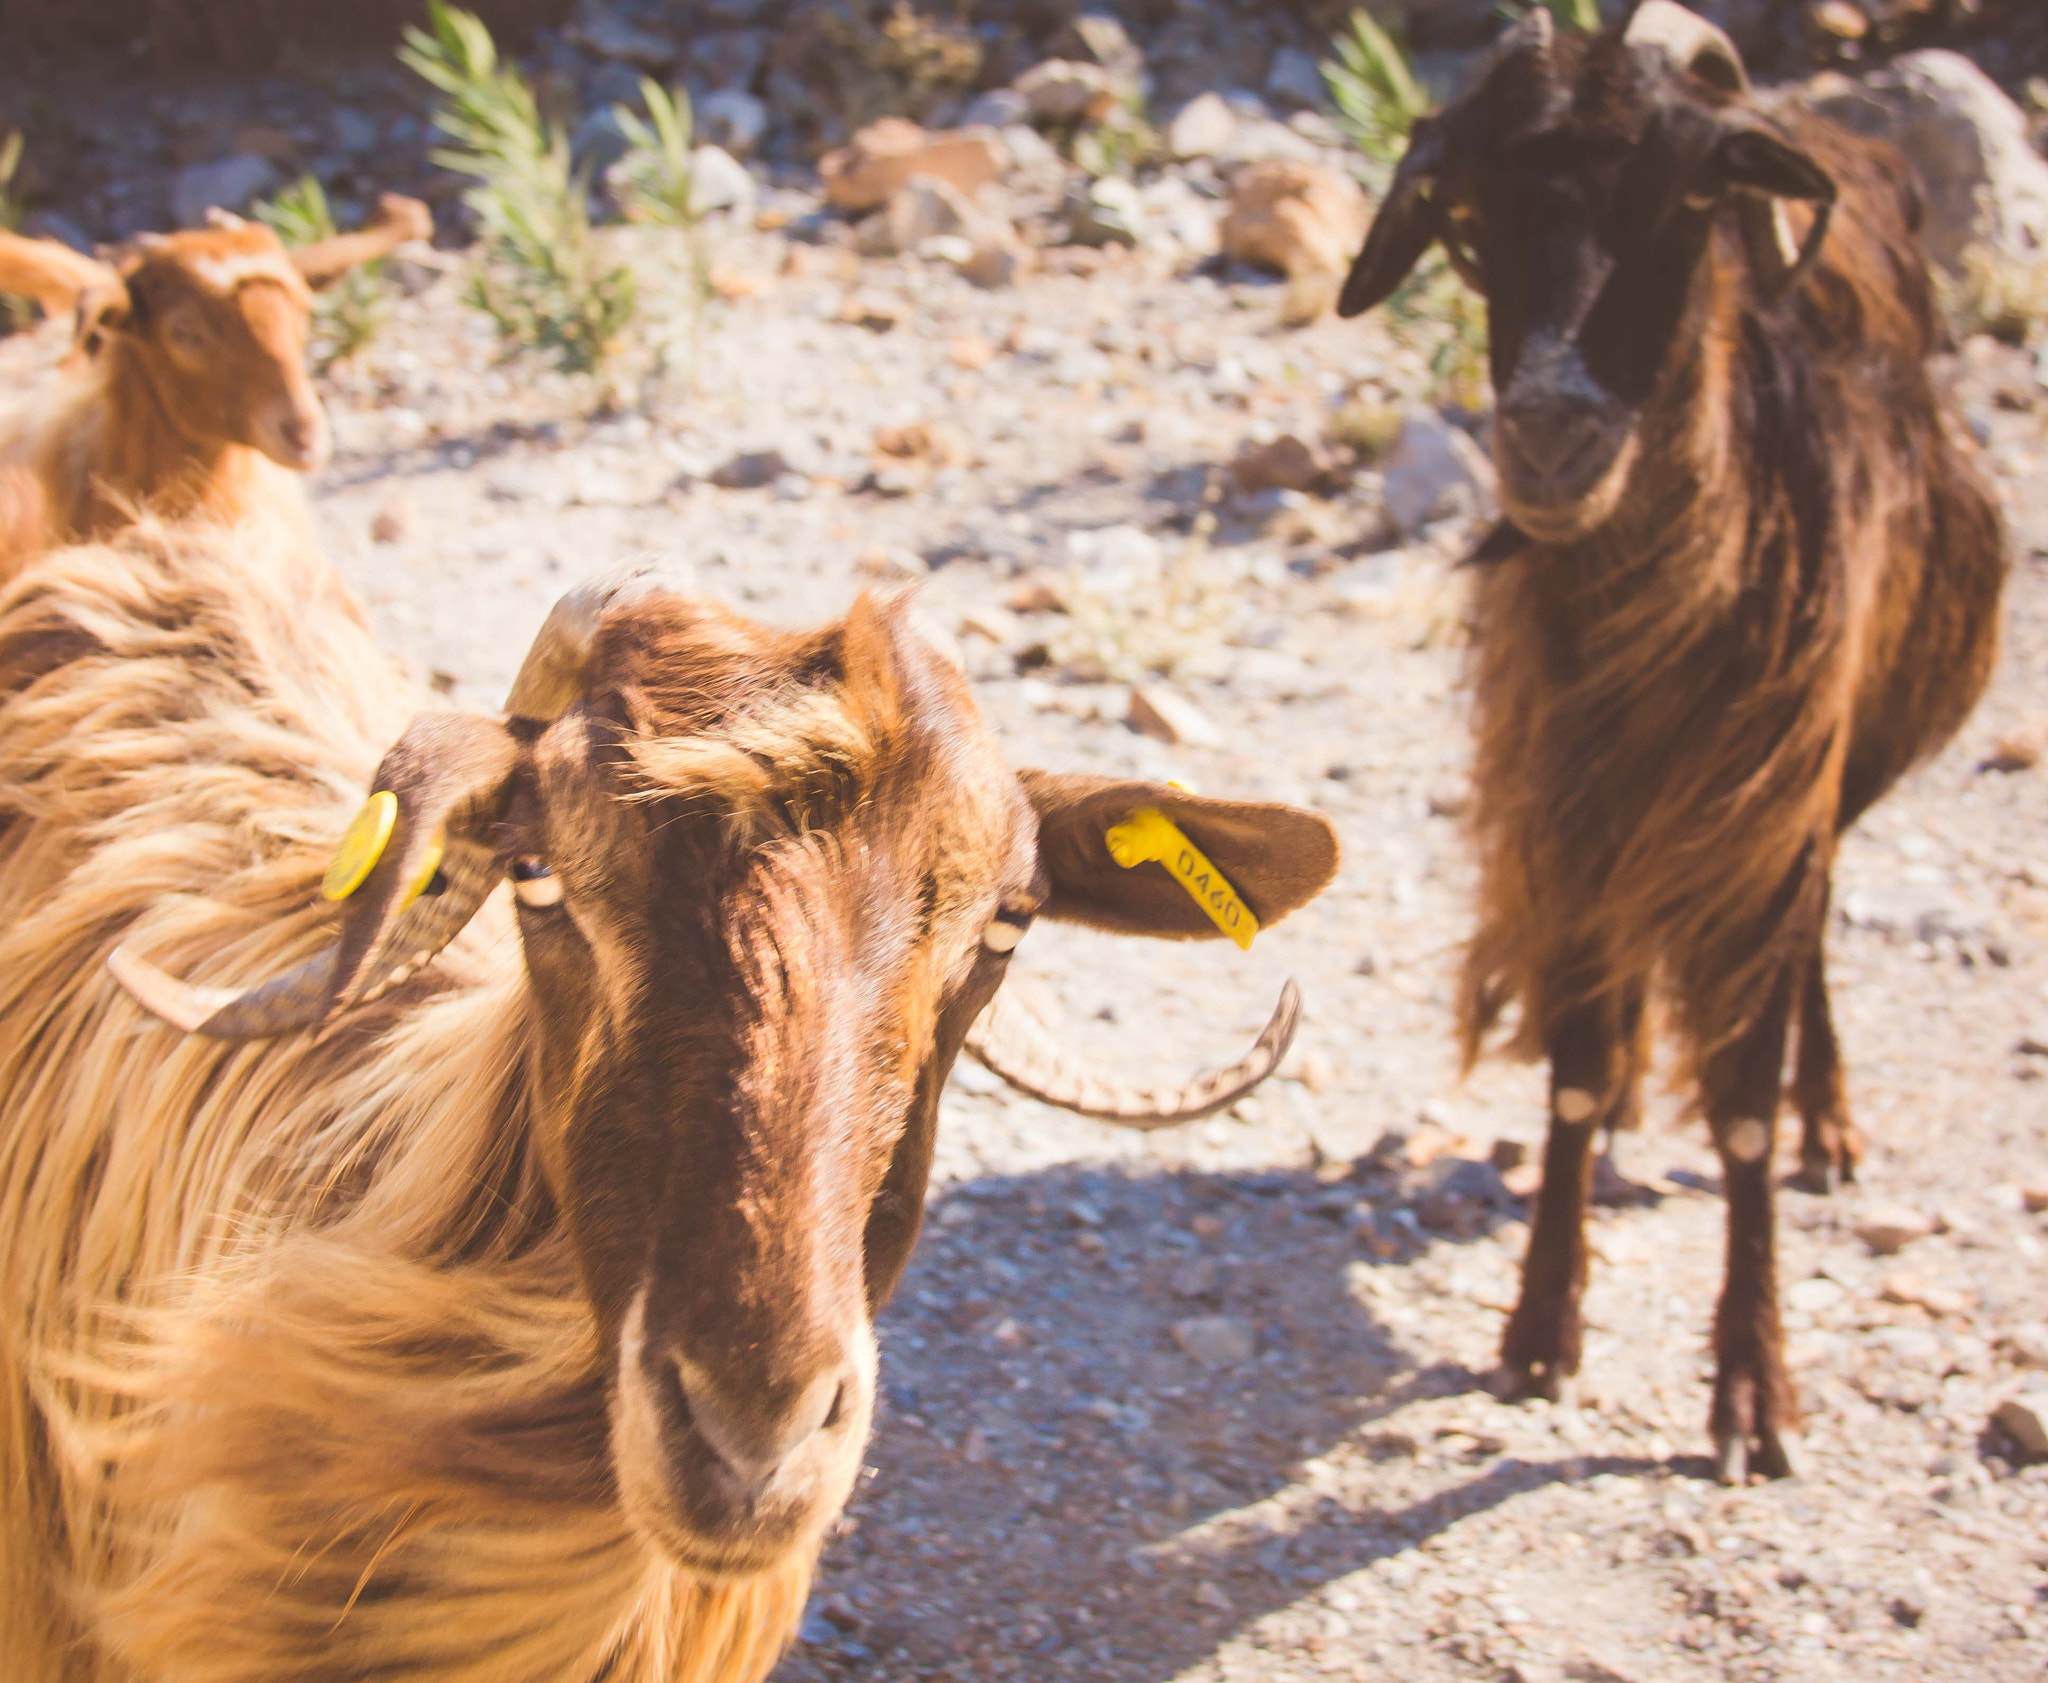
<point x="542" y="278"/>
<point x="351" y="312"/>
<point x="1375" y="92"/>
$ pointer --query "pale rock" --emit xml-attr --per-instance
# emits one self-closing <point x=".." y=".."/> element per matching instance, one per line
<point x="1813" y="1297"/>
<point x="1983" y="180"/>
<point x="719" y="181"/>
<point x="923" y="206"/>
<point x="1065" y="91"/>
<point x="1110" y="211"/>
<point x="883" y="156"/>
<point x="891" y="564"/>
<point x="602" y="31"/>
<point x="1296" y="79"/>
<point x="1432" y="465"/>
<point x="2025" y="1421"/>
<point x="1295" y="217"/>
<point x="2029" y="1344"/>
<point x="1260" y="140"/>
<point x="1889" y="1228"/>
<point x="997" y="261"/>
<point x="732" y="118"/>
<point x="1216" y="1342"/>
<point x="226" y="183"/>
<point x="1212" y="1597"/>
<point x="998" y="625"/>
<point x="1169" y="716"/>
<point x="998" y="108"/>
<point x="1202" y="127"/>
<point x="1924" y="1294"/>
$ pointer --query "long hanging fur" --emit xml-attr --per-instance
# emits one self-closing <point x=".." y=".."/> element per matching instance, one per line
<point x="1677" y="716"/>
<point x="296" y="1380"/>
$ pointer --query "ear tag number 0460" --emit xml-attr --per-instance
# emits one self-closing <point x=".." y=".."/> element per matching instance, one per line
<point x="1149" y="835"/>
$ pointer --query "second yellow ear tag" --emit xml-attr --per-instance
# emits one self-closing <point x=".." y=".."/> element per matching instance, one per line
<point x="362" y="845"/>
<point x="1148" y="834"/>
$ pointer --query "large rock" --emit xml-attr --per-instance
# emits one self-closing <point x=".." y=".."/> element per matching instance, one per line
<point x="1985" y="183"/>
<point x="1202" y="128"/>
<point x="719" y="181"/>
<point x="732" y="118"/>
<point x="1297" y="217"/>
<point x="226" y="184"/>
<point x="887" y="153"/>
<point x="1432" y="469"/>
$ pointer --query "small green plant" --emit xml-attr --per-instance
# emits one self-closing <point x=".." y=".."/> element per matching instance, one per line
<point x="1373" y="87"/>
<point x="653" y="181"/>
<point x="351" y="312"/>
<point x="1120" y="143"/>
<point x="542" y="278"/>
<point x="1580" y="15"/>
<point x="1155" y="623"/>
<point x="10" y="163"/>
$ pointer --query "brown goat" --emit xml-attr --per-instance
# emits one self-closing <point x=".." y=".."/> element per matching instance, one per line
<point x="1748" y="576"/>
<point x="187" y="380"/>
<point x="515" y="1325"/>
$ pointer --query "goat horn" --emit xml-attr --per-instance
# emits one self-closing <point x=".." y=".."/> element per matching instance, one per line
<point x="1700" y="48"/>
<point x="551" y="678"/>
<point x="1535" y="30"/>
<point x="1011" y="1041"/>
<point x="298" y="998"/>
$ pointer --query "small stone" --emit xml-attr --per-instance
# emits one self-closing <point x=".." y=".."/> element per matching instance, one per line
<point x="1839" y="18"/>
<point x="1064" y="91"/>
<point x="889" y="152"/>
<point x="1196" y="1278"/>
<point x="2025" y="1421"/>
<point x="2029" y="1344"/>
<point x="226" y="184"/>
<point x="750" y="470"/>
<point x="1524" y="1181"/>
<point x="2035" y="1198"/>
<point x="732" y="118"/>
<point x="1813" y="1297"/>
<point x="970" y="352"/>
<point x="1296" y="79"/>
<point x="1923" y="1294"/>
<point x="392" y="521"/>
<point x="877" y="315"/>
<point x="997" y="262"/>
<point x="1216" y="1342"/>
<point x="1890" y="1228"/>
<point x="1286" y="463"/>
<point x="1508" y="1154"/>
<point x="974" y="1446"/>
<point x="1169" y="716"/>
<point x="1208" y="1595"/>
<point x="1202" y="127"/>
<point x="1040" y="593"/>
<point x="996" y="624"/>
<point x="998" y="108"/>
<point x="1372" y="429"/>
<point x="1107" y="212"/>
<point x="891" y="564"/>
<point x="2017" y="750"/>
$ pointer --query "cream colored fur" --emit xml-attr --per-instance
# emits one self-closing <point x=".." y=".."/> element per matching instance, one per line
<point x="296" y="1380"/>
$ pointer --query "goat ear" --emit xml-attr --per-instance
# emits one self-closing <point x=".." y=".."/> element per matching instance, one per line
<point x="1403" y="229"/>
<point x="1276" y="857"/>
<point x="1767" y="170"/>
<point x="416" y="865"/>
<point x="103" y="310"/>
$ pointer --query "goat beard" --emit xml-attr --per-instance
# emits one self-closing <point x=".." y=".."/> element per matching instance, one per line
<point x="1572" y="522"/>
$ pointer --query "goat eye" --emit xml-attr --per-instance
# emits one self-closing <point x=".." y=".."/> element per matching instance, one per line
<point x="534" y="882"/>
<point x="1007" y="927"/>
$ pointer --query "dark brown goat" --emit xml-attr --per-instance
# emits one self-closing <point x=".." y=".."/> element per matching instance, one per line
<point x="1748" y="575"/>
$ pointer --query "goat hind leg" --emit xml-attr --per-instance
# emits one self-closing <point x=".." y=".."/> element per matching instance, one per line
<point x="1830" y="1145"/>
<point x="1755" y="1419"/>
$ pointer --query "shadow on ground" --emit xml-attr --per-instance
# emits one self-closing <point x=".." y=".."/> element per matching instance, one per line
<point x="1059" y="1484"/>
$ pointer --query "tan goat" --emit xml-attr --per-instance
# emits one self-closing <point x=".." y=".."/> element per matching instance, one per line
<point x="186" y="390"/>
<point x="514" y="1325"/>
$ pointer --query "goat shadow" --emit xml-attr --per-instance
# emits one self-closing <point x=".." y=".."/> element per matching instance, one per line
<point x="1040" y="1426"/>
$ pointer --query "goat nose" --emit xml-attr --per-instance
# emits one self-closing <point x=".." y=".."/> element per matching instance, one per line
<point x="756" y="1432"/>
<point x="1547" y="435"/>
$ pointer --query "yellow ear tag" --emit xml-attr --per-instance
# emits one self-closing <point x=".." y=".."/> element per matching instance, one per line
<point x="1149" y="835"/>
<point x="362" y="845"/>
<point x="428" y="866"/>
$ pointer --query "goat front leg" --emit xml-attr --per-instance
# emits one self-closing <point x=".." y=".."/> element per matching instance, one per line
<point x="1755" y="1418"/>
<point x="1830" y="1145"/>
<point x="1591" y="1079"/>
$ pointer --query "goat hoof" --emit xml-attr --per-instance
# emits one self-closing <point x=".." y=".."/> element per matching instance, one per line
<point x="1731" y="1458"/>
<point x="1530" y="1382"/>
<point x="1819" y="1177"/>
<point x="1779" y="1454"/>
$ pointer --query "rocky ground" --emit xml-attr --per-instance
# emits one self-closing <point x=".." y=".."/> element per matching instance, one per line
<point x="1210" y="1404"/>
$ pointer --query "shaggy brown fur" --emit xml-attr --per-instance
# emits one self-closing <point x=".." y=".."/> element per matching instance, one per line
<point x="1792" y="600"/>
<point x="310" y="1348"/>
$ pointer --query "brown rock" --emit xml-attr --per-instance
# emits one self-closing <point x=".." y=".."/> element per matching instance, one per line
<point x="1936" y="1300"/>
<point x="887" y="153"/>
<point x="1295" y="217"/>
<point x="1168" y="715"/>
<point x="1286" y="463"/>
<point x="391" y="522"/>
<point x="877" y="315"/>
<point x="1508" y="1154"/>
<point x="2025" y="1421"/>
<point x="1039" y="593"/>
<point x="971" y="352"/>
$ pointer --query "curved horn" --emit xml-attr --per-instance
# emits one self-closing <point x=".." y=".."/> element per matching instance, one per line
<point x="399" y="219"/>
<point x="1534" y="30"/>
<point x="551" y="678"/>
<point x="50" y="272"/>
<point x="1700" y="48"/>
<point x="1011" y="1041"/>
